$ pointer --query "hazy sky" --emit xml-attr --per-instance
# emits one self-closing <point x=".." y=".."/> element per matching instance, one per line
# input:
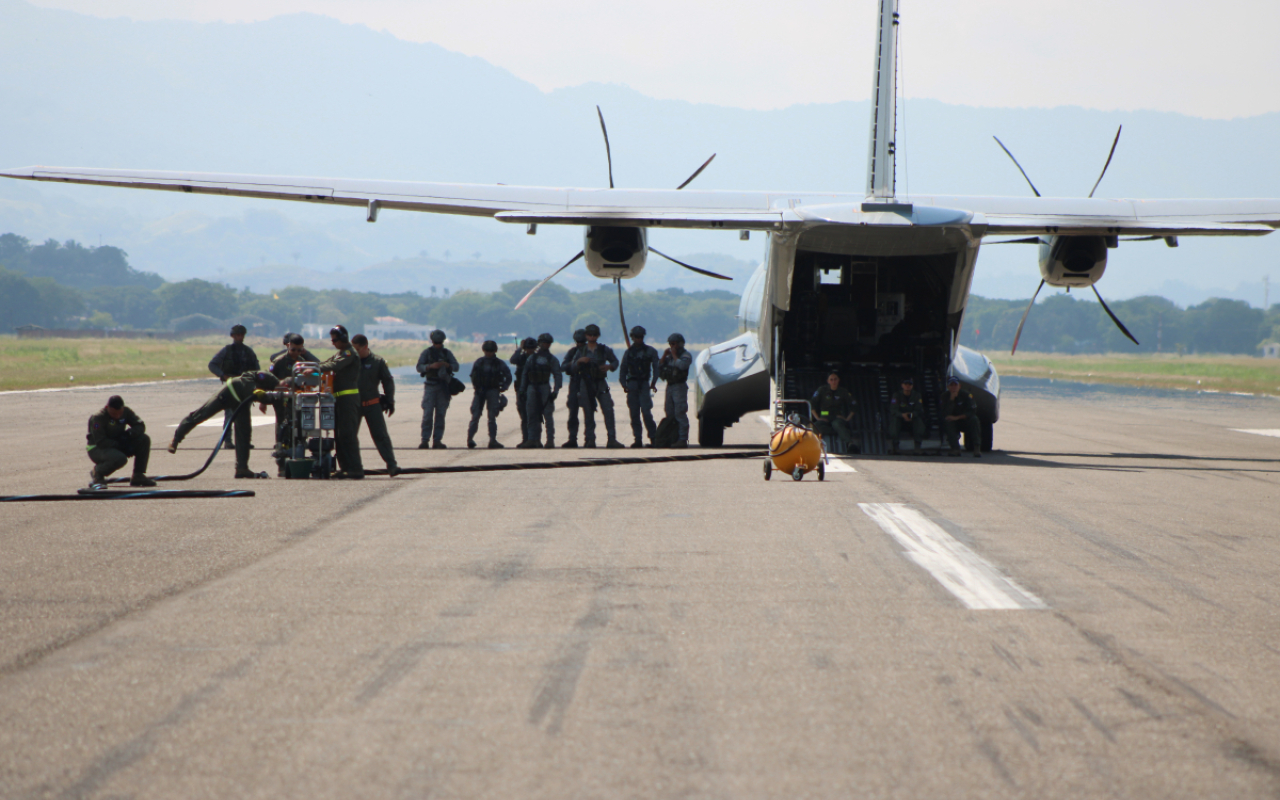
<point x="1200" y="58"/>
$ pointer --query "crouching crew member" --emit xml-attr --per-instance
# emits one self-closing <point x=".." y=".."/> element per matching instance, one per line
<point x="833" y="413"/>
<point x="960" y="413"/>
<point x="375" y="373"/>
<point x="490" y="377"/>
<point x="345" y="366"/>
<point x="573" y="401"/>
<point x="540" y="397"/>
<point x="639" y="380"/>
<point x="116" y="434"/>
<point x="227" y="399"/>
<point x="906" y="408"/>
<point x="592" y="363"/>
<point x="521" y="355"/>
<point x="436" y="365"/>
<point x="674" y="369"/>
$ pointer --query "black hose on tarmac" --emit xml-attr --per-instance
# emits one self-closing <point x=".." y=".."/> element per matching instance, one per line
<point x="579" y="462"/>
<point x="149" y="494"/>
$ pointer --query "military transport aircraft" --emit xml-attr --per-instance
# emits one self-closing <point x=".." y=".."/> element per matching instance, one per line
<point x="871" y="284"/>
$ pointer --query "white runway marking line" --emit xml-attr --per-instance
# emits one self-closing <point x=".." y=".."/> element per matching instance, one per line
<point x="835" y="463"/>
<point x="964" y="573"/>
<point x="1260" y="431"/>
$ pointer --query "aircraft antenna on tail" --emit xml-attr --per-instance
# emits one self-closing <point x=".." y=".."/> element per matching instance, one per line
<point x="881" y="167"/>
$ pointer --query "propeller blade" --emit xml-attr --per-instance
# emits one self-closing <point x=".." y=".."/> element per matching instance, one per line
<point x="1018" y="335"/>
<point x="1016" y="164"/>
<point x="525" y="299"/>
<point x="1028" y="240"/>
<point x="621" y="317"/>
<point x="696" y="173"/>
<point x="1114" y="318"/>
<point x="687" y="266"/>
<point x="608" y="154"/>
<point x="1104" y="169"/>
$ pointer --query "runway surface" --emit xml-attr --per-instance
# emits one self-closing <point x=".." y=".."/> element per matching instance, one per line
<point x="1091" y="612"/>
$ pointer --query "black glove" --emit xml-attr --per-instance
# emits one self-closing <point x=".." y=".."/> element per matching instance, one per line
<point x="388" y="403"/>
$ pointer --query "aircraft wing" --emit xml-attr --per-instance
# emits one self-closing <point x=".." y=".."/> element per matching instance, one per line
<point x="691" y="208"/>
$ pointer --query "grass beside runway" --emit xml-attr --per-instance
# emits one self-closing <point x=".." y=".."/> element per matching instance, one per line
<point x="1220" y="373"/>
<point x="49" y="363"/>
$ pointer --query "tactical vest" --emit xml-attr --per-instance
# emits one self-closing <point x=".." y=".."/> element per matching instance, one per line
<point x="671" y="374"/>
<point x="489" y="375"/>
<point x="639" y="363"/>
<point x="434" y="354"/>
<point x="538" y="369"/>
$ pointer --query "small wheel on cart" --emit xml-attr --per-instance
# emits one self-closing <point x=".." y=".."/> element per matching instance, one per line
<point x="822" y="471"/>
<point x="797" y="473"/>
<point x="768" y="468"/>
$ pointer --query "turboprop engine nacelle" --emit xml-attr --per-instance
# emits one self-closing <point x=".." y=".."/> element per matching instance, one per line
<point x="615" y="252"/>
<point x="1073" y="261"/>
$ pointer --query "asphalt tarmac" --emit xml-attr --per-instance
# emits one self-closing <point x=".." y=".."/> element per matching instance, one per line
<point x="1091" y="612"/>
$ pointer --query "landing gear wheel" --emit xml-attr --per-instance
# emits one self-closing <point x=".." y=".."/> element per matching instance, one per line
<point x="822" y="471"/>
<point x="710" y="432"/>
<point x="768" y="468"/>
<point x="797" y="473"/>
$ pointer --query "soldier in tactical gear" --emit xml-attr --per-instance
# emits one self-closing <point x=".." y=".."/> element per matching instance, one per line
<point x="540" y="397"/>
<point x="906" y="408"/>
<point x="673" y="368"/>
<point x="436" y="365"/>
<point x="490" y="377"/>
<point x="375" y="373"/>
<point x="572" y="402"/>
<point x="345" y="366"/>
<point x="115" y="434"/>
<point x="960" y="413"/>
<point x="235" y="359"/>
<point x="833" y="413"/>
<point x="228" y="399"/>
<point x="639" y="372"/>
<point x="518" y="358"/>
<point x="592" y="363"/>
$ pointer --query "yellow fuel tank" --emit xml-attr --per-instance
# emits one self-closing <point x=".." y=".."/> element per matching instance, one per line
<point x="794" y="450"/>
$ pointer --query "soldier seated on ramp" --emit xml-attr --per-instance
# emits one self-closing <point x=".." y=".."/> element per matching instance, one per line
<point x="116" y="434"/>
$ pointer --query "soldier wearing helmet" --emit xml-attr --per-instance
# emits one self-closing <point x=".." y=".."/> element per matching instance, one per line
<point x="232" y="397"/>
<point x="345" y="366"/>
<point x="436" y="365"/>
<point x="674" y="369"/>
<point x="235" y="359"/>
<point x="490" y="377"/>
<point x="540" y="397"/>
<point x="592" y="363"/>
<point x="639" y="373"/>
<point x="525" y="349"/>
<point x="572" y="402"/>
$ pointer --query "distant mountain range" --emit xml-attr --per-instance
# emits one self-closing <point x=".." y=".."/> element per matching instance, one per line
<point x="307" y="95"/>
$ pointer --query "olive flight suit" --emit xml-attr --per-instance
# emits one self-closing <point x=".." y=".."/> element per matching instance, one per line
<point x="227" y="399"/>
<point x="345" y="366"/>
<point x="375" y="373"/>
<point x="829" y="411"/>
<point x="112" y="441"/>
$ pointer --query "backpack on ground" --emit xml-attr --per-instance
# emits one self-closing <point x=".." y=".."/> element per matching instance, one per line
<point x="667" y="434"/>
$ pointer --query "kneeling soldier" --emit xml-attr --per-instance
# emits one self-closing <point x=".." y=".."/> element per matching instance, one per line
<point x="229" y="398"/>
<point x="960" y="413"/>
<point x="115" y="434"/>
<point x="490" y="377"/>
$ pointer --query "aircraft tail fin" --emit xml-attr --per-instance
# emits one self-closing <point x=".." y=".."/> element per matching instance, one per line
<point x="881" y="159"/>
